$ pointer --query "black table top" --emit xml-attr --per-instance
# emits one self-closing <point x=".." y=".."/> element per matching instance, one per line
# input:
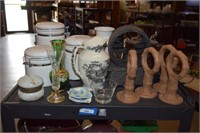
<point x="12" y="98"/>
<point x="145" y="109"/>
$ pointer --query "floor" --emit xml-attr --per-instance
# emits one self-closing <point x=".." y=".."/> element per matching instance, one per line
<point x="11" y="69"/>
<point x="11" y="60"/>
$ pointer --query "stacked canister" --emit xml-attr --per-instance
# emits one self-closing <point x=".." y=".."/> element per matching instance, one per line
<point x="47" y="31"/>
<point x="36" y="60"/>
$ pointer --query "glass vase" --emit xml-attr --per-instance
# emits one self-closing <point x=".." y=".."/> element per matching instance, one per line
<point x="55" y="53"/>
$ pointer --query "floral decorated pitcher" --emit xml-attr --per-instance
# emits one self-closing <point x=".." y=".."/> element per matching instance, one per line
<point x="93" y="61"/>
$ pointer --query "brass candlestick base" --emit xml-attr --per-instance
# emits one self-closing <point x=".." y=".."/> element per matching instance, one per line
<point x="171" y="99"/>
<point x="128" y="97"/>
<point x="146" y="93"/>
<point x="56" y="97"/>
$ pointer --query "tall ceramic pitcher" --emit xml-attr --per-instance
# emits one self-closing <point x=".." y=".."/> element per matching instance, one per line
<point x="92" y="61"/>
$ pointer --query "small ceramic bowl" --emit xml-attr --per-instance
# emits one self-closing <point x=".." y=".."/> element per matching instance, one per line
<point x="79" y="93"/>
<point x="30" y="87"/>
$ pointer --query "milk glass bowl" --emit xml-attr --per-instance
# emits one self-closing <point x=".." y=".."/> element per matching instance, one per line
<point x="103" y="92"/>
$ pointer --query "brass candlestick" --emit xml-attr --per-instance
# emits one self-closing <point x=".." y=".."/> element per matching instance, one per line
<point x="127" y="95"/>
<point x="171" y="96"/>
<point x="146" y="91"/>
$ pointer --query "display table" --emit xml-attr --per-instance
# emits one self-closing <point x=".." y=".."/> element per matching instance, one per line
<point x="12" y="107"/>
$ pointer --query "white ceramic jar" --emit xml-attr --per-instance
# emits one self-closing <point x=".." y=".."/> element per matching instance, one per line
<point x="37" y="62"/>
<point x="47" y="31"/>
<point x="71" y="43"/>
<point x="104" y="31"/>
<point x="30" y="87"/>
<point x="93" y="61"/>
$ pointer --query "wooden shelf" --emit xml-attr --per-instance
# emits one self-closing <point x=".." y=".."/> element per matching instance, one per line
<point x="66" y="15"/>
<point x="84" y="16"/>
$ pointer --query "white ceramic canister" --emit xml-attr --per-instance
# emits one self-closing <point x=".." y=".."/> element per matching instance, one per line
<point x="71" y="43"/>
<point x="47" y="31"/>
<point x="93" y="61"/>
<point x="104" y="31"/>
<point x="37" y="62"/>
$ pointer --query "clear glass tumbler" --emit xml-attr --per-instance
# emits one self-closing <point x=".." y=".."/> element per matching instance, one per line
<point x="103" y="92"/>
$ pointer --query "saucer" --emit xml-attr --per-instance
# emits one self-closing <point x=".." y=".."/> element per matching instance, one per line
<point x="79" y="93"/>
<point x="83" y="100"/>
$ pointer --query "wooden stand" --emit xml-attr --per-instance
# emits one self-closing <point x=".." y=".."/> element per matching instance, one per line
<point x="162" y="84"/>
<point x="171" y="96"/>
<point x="146" y="91"/>
<point x="127" y="95"/>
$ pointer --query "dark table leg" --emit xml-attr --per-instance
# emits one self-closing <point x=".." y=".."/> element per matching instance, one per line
<point x="8" y="122"/>
<point x="186" y="120"/>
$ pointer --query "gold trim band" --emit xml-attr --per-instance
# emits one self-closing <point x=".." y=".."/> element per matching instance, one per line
<point x="31" y="90"/>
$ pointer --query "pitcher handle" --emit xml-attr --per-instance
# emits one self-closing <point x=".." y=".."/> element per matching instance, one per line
<point x="74" y="60"/>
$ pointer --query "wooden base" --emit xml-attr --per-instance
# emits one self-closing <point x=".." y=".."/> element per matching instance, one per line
<point x="171" y="99"/>
<point x="160" y="88"/>
<point x="127" y="97"/>
<point x="146" y="93"/>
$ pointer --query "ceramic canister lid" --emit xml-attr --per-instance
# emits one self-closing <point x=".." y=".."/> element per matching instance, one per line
<point x="94" y="42"/>
<point x="76" y="40"/>
<point x="37" y="55"/>
<point x="50" y="28"/>
<point x="104" y="28"/>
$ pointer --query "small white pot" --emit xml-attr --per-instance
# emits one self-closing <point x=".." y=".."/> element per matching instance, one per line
<point x="30" y="87"/>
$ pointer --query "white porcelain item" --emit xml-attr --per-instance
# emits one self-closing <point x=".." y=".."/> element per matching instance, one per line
<point x="85" y="100"/>
<point x="37" y="62"/>
<point x="93" y="61"/>
<point x="47" y="31"/>
<point x="31" y="96"/>
<point x="30" y="87"/>
<point x="79" y="93"/>
<point x="104" y="31"/>
<point x="71" y="42"/>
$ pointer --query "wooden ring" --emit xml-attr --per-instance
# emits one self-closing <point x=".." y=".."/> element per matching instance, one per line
<point x="163" y="50"/>
<point x="184" y="61"/>
<point x="155" y="54"/>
